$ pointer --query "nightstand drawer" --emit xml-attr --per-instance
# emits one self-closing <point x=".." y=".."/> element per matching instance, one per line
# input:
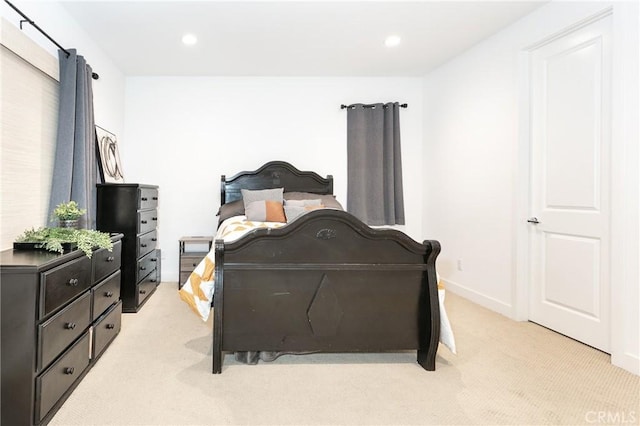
<point x="63" y="328"/>
<point x="189" y="261"/>
<point x="191" y="252"/>
<point x="148" y="198"/>
<point x="106" y="262"/>
<point x="60" y="376"/>
<point x="147" y="242"/>
<point x="184" y="276"/>
<point x="147" y="221"/>
<point x="105" y="294"/>
<point x="63" y="283"/>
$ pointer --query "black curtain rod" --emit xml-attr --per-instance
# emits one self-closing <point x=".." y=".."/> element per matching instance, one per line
<point x="26" y="19"/>
<point x="343" y="106"/>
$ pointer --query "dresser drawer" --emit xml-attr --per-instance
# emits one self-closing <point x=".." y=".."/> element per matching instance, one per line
<point x="146" y="287"/>
<point x="147" y="264"/>
<point x="106" y="329"/>
<point x="63" y="283"/>
<point x="54" y="382"/>
<point x="105" y="262"/>
<point x="105" y="294"/>
<point x="60" y="330"/>
<point x="147" y="242"/>
<point x="147" y="198"/>
<point x="147" y="221"/>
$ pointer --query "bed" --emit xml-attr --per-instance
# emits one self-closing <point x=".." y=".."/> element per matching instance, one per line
<point x="323" y="282"/>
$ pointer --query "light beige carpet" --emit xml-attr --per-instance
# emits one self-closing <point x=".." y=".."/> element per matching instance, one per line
<point x="158" y="372"/>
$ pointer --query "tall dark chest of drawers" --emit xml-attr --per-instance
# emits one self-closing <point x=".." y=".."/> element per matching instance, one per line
<point x="59" y="314"/>
<point x="131" y="209"/>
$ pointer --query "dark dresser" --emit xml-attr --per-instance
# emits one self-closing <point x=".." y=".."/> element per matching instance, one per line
<point x="131" y="209"/>
<point x="59" y="314"/>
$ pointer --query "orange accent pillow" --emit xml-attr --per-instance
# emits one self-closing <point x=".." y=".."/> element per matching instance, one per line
<point x="275" y="211"/>
<point x="265" y="211"/>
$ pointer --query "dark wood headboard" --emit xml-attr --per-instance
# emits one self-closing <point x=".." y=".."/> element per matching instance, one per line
<point x="274" y="174"/>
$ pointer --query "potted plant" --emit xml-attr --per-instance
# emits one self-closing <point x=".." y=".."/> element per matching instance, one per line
<point x="68" y="214"/>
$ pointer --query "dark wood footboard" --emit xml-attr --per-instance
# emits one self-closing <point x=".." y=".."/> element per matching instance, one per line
<point x="326" y="282"/>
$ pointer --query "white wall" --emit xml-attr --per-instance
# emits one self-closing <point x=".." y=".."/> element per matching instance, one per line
<point x="472" y="196"/>
<point x="182" y="133"/>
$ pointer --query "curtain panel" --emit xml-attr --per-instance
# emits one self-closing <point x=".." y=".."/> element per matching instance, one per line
<point x="75" y="164"/>
<point x="374" y="162"/>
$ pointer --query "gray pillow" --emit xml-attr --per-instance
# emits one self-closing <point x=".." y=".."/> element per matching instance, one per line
<point x="303" y="203"/>
<point x="249" y="196"/>
<point x="234" y="208"/>
<point x="293" y="212"/>
<point x="328" y="200"/>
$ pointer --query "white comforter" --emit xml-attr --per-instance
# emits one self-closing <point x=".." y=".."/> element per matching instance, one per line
<point x="197" y="291"/>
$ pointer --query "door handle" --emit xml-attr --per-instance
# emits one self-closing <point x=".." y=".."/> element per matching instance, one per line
<point x="533" y="220"/>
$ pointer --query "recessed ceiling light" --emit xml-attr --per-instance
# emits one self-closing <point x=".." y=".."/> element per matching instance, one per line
<point x="392" y="41"/>
<point x="189" y="39"/>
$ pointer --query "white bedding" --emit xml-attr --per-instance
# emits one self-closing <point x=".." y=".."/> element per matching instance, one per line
<point x="197" y="291"/>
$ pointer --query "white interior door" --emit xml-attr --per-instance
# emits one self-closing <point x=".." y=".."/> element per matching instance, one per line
<point x="570" y="169"/>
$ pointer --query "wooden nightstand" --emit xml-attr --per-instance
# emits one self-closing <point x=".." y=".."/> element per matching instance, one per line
<point x="192" y="251"/>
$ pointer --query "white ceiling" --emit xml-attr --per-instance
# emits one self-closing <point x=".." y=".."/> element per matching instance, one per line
<point x="290" y="38"/>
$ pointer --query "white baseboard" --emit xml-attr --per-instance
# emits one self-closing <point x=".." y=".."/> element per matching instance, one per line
<point x="479" y="298"/>
<point x="627" y="361"/>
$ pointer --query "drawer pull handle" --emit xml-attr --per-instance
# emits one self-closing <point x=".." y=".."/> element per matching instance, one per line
<point x="144" y="198"/>
<point x="111" y="326"/>
<point x="154" y="218"/>
<point x="143" y="291"/>
<point x="155" y="198"/>
<point x="110" y="259"/>
<point x="143" y="221"/>
<point x="154" y="259"/>
<point x="70" y="325"/>
<point x="143" y="268"/>
<point x="143" y="245"/>
<point x="154" y="239"/>
<point x="73" y="282"/>
<point x="108" y="294"/>
<point x="153" y="280"/>
<point x="69" y="370"/>
<point x="195" y="264"/>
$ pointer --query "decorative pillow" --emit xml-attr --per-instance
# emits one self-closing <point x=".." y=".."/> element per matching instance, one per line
<point x="328" y="200"/>
<point x="249" y="196"/>
<point x="234" y="208"/>
<point x="293" y="212"/>
<point x="265" y="211"/>
<point x="303" y="203"/>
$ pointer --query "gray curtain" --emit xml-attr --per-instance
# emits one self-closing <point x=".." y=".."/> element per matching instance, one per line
<point x="75" y="167"/>
<point x="374" y="162"/>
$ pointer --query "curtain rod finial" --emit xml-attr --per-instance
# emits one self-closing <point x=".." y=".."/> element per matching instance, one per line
<point x="95" y="75"/>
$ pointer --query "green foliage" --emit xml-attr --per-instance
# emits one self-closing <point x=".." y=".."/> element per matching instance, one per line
<point x="68" y="211"/>
<point x="52" y="239"/>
